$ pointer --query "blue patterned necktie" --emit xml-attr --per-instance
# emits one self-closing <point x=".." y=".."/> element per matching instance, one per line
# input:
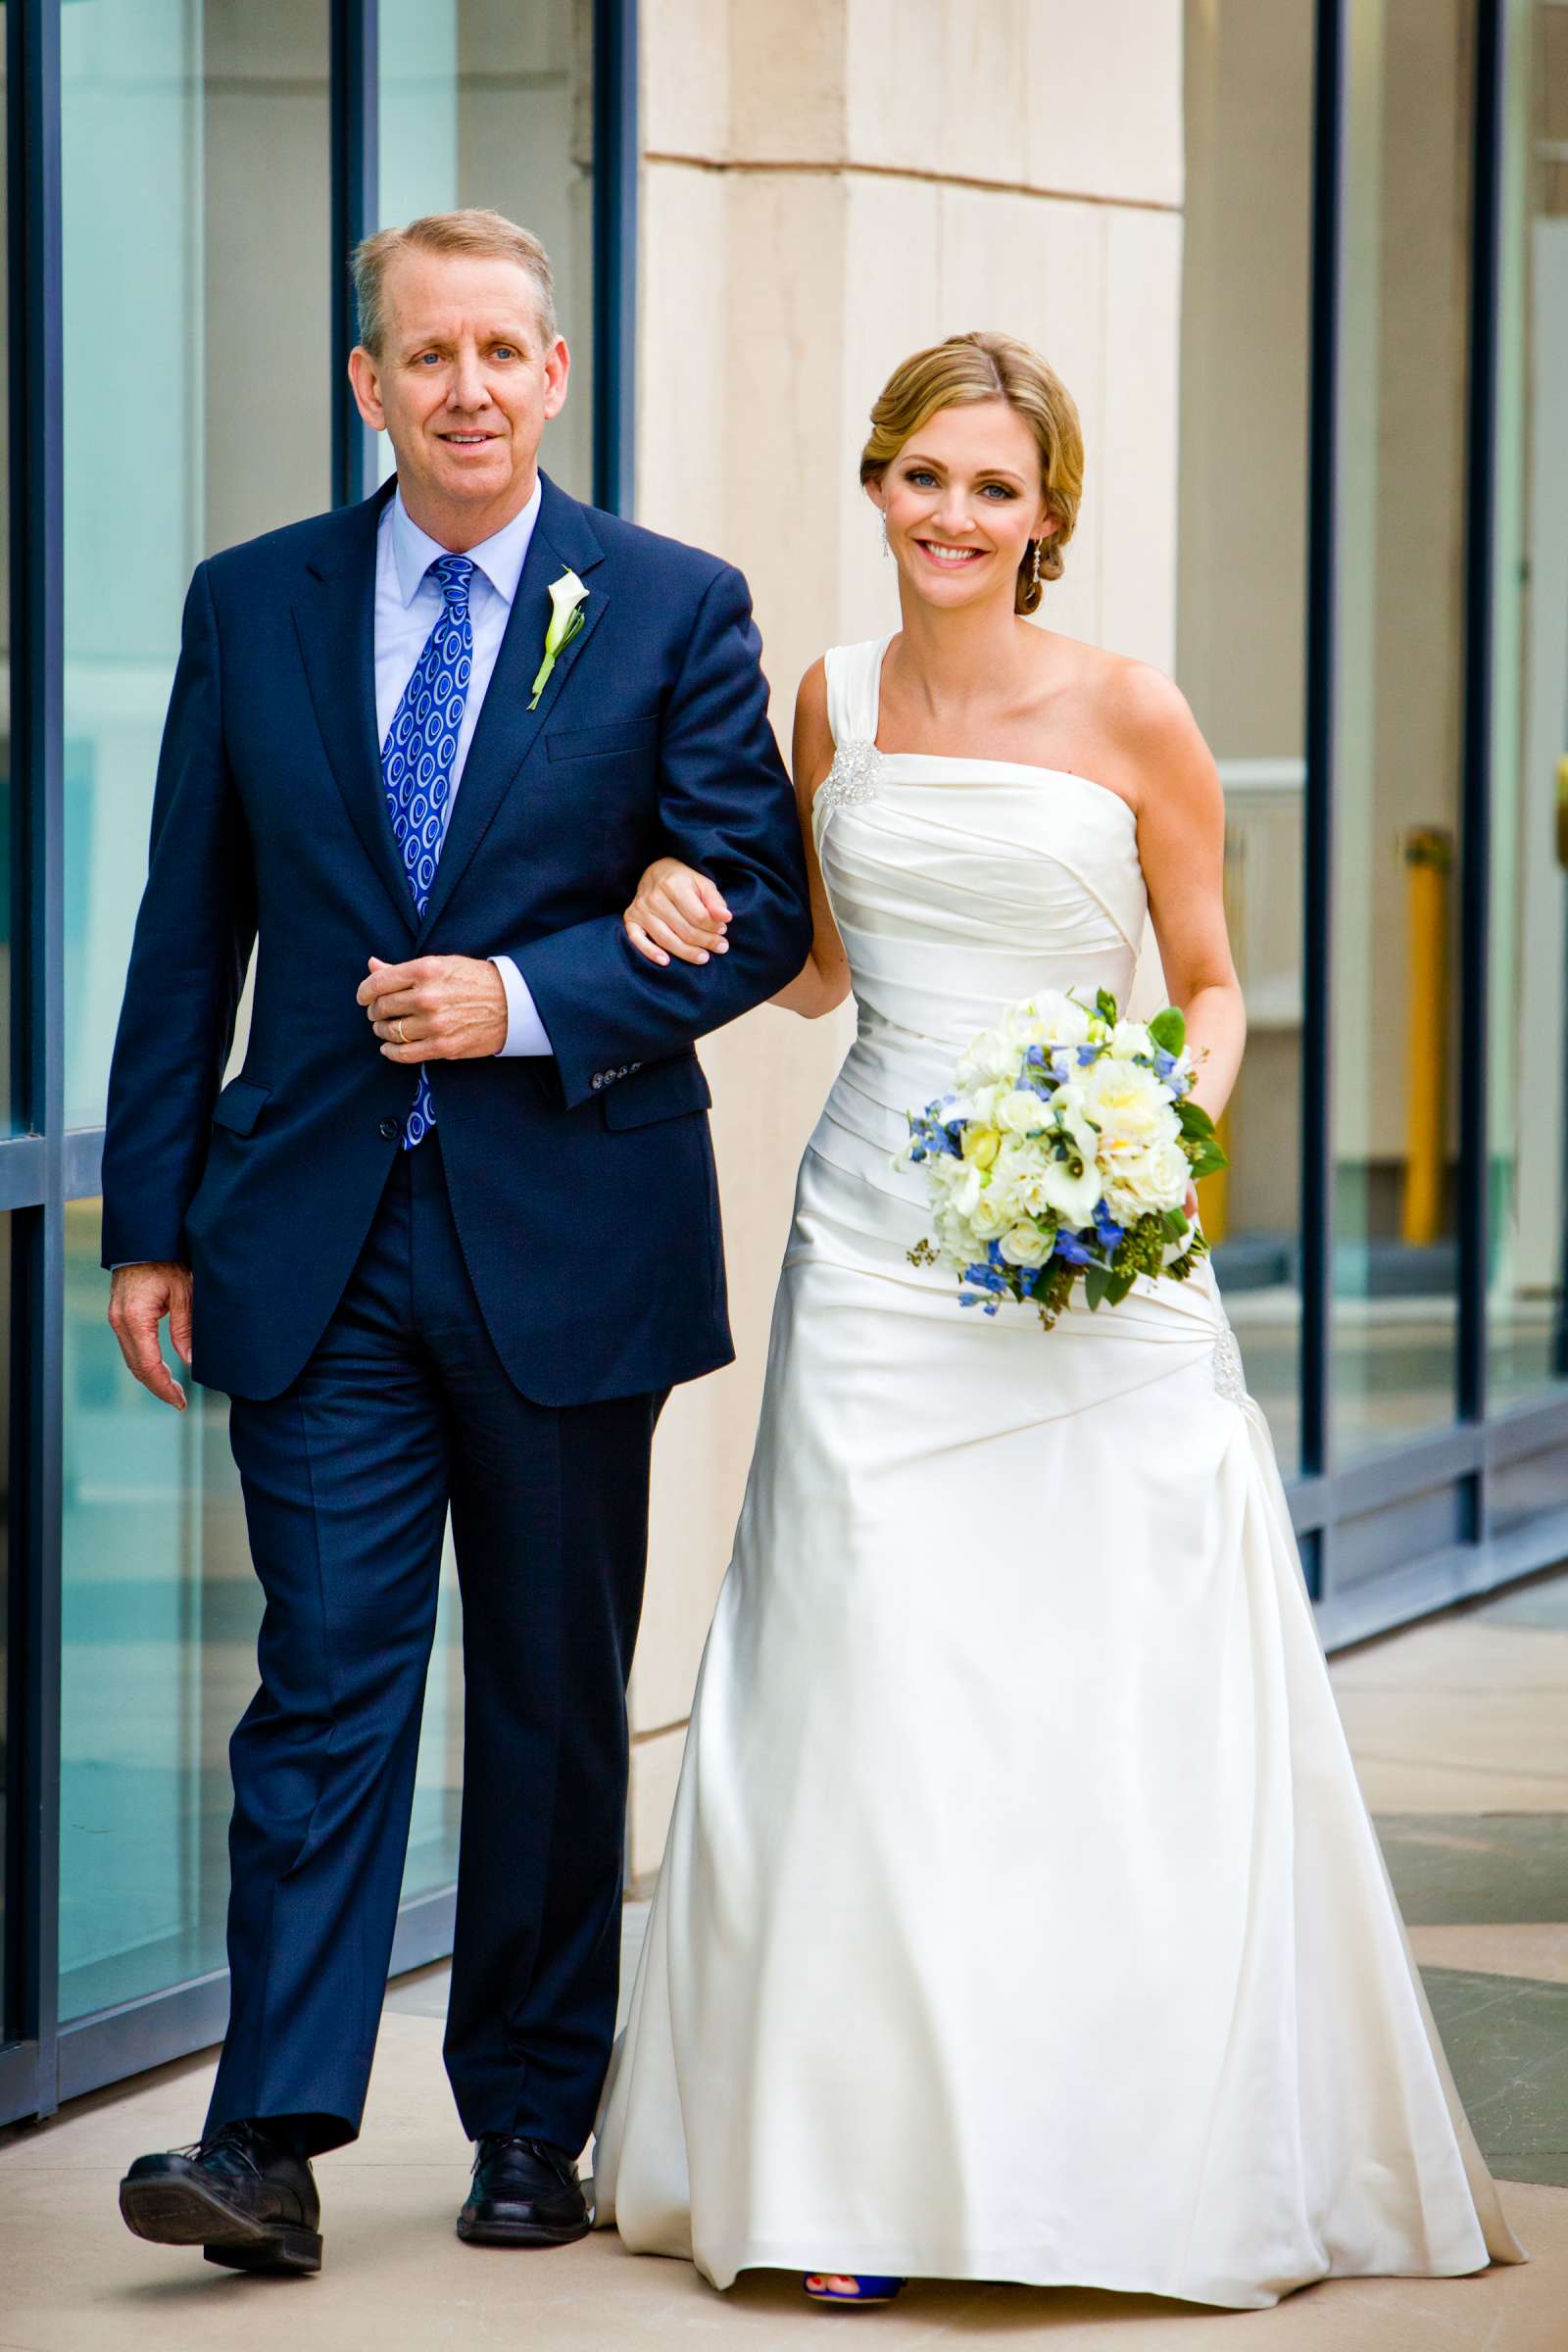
<point x="417" y="759"/>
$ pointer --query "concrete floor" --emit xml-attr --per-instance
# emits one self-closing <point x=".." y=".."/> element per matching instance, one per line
<point x="1460" y="1727"/>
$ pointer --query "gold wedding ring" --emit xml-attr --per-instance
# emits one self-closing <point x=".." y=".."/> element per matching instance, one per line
<point x="398" y="1026"/>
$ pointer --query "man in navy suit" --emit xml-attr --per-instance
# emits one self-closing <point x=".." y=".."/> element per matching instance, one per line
<point x="452" y="1234"/>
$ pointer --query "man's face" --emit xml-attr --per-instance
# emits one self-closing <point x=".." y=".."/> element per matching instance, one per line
<point x="465" y="384"/>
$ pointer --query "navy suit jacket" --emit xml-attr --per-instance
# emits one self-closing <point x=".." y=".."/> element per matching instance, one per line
<point x="582" y="1185"/>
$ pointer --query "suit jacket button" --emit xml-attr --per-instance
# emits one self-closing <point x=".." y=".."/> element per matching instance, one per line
<point x="389" y="1131"/>
<point x="598" y="1080"/>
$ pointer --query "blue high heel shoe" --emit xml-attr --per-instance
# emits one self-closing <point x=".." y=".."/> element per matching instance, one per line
<point x="868" y="2291"/>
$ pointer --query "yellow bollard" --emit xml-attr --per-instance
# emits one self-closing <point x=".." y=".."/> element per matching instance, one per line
<point x="1427" y="863"/>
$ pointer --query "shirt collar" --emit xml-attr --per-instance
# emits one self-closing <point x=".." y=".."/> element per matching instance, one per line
<point x="500" y="557"/>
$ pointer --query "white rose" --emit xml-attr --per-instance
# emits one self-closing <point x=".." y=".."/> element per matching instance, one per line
<point x="1020" y="1113"/>
<point x="1149" y="1181"/>
<point x="1053" y="1018"/>
<point x="1025" y="1246"/>
<point x="989" y="1217"/>
<point x="1131" y="1111"/>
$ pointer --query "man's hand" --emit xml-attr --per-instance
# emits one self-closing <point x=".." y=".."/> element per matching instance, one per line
<point x="139" y="1298"/>
<point x="437" y="1009"/>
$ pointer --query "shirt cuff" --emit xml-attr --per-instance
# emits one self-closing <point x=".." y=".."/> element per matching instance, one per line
<point x="525" y="1031"/>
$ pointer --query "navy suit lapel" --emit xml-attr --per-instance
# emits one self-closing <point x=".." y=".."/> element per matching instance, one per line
<point x="507" y="731"/>
<point x="334" y="614"/>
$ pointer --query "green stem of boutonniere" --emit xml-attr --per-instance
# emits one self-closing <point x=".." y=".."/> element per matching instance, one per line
<point x="555" y="643"/>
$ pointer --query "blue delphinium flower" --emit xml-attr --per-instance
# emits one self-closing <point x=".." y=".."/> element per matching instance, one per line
<point x="1105" y="1225"/>
<point x="1073" y="1250"/>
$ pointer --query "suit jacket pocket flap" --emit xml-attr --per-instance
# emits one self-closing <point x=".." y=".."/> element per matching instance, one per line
<point x="659" y="1090"/>
<point x="239" y="1106"/>
<point x="589" y="743"/>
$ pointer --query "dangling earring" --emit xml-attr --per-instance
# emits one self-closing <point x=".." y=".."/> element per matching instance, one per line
<point x="886" y="548"/>
<point x="1034" y="562"/>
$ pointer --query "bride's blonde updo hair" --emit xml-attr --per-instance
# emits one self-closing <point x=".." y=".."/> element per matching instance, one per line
<point x="967" y="368"/>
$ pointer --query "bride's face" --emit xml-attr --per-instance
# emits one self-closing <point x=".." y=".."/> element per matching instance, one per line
<point x="961" y="502"/>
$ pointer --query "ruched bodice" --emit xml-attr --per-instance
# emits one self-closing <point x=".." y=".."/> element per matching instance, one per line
<point x="959" y="886"/>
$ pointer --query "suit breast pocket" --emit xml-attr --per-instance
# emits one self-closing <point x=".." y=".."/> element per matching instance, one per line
<point x="604" y="743"/>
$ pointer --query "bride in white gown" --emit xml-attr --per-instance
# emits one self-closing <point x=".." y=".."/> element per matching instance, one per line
<point x="1022" y="1917"/>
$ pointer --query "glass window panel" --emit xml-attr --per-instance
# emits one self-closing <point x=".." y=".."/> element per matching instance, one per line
<point x="197" y="401"/>
<point x="160" y="1611"/>
<point x="432" y="1858"/>
<point x="1241" y="613"/>
<point x="490" y="102"/>
<point x="196" y="226"/>
<point x="1401" y="562"/>
<point x="1528" y="1047"/>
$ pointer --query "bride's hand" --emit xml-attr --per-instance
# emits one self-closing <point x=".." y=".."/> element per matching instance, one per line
<point x="678" y="911"/>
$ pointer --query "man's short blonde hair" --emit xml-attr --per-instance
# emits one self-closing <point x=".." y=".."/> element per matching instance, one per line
<point x="470" y="231"/>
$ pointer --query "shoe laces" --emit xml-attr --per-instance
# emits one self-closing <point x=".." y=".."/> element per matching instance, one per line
<point x="495" y="2143"/>
<point x="229" y="2140"/>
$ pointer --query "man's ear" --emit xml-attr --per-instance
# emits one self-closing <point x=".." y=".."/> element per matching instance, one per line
<point x="558" y="369"/>
<point x="365" y="375"/>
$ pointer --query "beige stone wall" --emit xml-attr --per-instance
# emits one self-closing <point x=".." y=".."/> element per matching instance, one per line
<point x="824" y="189"/>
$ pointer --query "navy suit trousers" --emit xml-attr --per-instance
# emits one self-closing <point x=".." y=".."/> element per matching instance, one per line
<point x="403" y="1409"/>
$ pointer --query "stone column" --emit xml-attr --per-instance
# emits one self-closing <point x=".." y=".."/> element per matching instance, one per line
<point x="824" y="189"/>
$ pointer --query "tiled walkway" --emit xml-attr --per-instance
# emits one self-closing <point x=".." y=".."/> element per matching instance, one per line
<point x="1460" y="1728"/>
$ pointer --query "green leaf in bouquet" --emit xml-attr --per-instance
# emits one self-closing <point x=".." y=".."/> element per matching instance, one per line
<point x="1118" y="1285"/>
<point x="1168" y="1029"/>
<point x="1193" y="1118"/>
<point x="1209" y="1158"/>
<point x="1105" y="1007"/>
<point x="1097" y="1285"/>
<point x="1173" y="1223"/>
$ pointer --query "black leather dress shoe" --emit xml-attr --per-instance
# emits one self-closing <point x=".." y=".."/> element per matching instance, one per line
<point x="525" y="2193"/>
<point x="247" y="2202"/>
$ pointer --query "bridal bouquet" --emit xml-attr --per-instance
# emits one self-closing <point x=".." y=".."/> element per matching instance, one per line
<point x="1066" y="1155"/>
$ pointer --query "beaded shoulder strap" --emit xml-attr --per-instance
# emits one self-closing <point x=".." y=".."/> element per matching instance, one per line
<point x="853" y="678"/>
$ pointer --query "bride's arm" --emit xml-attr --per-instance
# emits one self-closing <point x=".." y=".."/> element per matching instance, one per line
<point x="678" y="911"/>
<point x="1181" y="846"/>
<point x="823" y="981"/>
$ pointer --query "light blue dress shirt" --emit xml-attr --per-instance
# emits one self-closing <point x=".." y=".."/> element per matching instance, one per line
<point x="407" y="605"/>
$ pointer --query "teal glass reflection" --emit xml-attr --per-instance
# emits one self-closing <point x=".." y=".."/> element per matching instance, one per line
<point x="160" y="1611"/>
<point x="196" y="220"/>
<point x="160" y="1614"/>
<point x="494" y="106"/>
<point x="432" y="1858"/>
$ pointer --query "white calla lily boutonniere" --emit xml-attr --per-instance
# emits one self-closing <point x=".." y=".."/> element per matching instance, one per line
<point x="567" y="596"/>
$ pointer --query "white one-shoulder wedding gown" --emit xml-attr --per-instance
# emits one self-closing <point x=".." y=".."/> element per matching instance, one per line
<point x="1022" y="1917"/>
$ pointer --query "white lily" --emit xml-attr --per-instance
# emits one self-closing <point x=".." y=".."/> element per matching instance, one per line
<point x="567" y="596"/>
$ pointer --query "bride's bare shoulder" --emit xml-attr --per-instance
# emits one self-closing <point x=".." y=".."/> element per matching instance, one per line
<point x="1150" y="719"/>
<point x="812" y="750"/>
